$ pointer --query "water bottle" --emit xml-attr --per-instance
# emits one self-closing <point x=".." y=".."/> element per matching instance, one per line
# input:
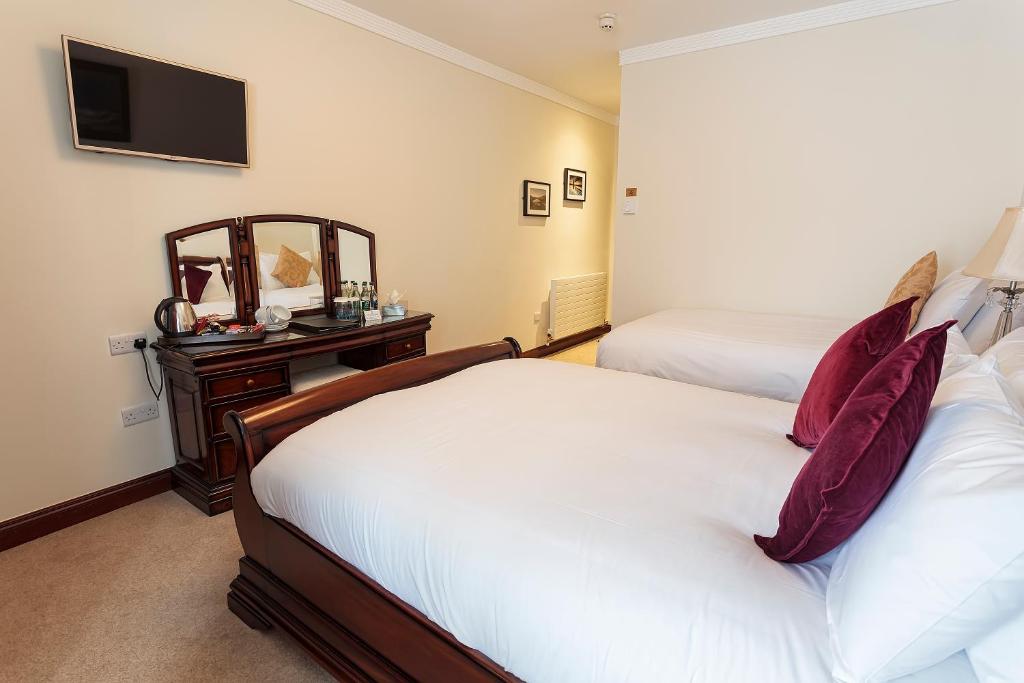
<point x="347" y="309"/>
<point x="374" y="303"/>
<point x="364" y="297"/>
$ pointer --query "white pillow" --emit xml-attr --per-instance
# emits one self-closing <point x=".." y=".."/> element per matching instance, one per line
<point x="215" y="289"/>
<point x="958" y="352"/>
<point x="979" y="332"/>
<point x="957" y="297"/>
<point x="267" y="264"/>
<point x="940" y="563"/>
<point x="1009" y="354"/>
<point x="999" y="656"/>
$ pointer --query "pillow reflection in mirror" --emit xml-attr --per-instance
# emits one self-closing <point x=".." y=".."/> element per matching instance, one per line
<point x="292" y="270"/>
<point x="301" y="238"/>
<point x="268" y="262"/>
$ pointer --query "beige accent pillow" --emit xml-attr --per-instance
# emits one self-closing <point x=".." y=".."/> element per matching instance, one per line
<point x="918" y="281"/>
<point x="292" y="270"/>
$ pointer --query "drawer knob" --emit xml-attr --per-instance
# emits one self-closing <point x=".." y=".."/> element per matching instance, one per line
<point x="250" y="383"/>
<point x="408" y="345"/>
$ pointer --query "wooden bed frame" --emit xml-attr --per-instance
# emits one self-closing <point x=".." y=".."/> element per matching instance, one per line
<point x="354" y="628"/>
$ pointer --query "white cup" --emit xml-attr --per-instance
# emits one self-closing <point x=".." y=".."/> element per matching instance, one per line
<point x="273" y="315"/>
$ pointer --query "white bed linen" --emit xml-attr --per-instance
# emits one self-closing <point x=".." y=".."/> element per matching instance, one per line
<point x="761" y="354"/>
<point x="290" y="297"/>
<point x="225" y="307"/>
<point x="571" y="523"/>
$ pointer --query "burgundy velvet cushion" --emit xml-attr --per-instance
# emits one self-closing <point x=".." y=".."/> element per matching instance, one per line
<point x="844" y="365"/>
<point x="861" y="453"/>
<point x="195" y="282"/>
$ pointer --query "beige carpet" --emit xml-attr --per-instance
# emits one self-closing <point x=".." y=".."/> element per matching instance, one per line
<point x="584" y="354"/>
<point x="139" y="595"/>
<point x="136" y="595"/>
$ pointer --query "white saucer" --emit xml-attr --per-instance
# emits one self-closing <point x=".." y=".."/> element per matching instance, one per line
<point x="276" y="327"/>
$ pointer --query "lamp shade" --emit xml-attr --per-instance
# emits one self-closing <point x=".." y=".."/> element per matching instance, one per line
<point x="1002" y="257"/>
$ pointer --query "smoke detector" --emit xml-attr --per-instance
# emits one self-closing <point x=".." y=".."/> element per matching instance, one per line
<point x="606" y="21"/>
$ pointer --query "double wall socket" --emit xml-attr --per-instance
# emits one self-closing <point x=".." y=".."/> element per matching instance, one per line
<point x="124" y="343"/>
<point x="140" y="413"/>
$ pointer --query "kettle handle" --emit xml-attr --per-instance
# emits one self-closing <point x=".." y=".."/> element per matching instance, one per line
<point x="161" y="310"/>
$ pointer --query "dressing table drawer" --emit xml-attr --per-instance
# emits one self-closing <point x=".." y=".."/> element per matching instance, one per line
<point x="411" y="346"/>
<point x="257" y="380"/>
<point x="224" y="458"/>
<point x="217" y="412"/>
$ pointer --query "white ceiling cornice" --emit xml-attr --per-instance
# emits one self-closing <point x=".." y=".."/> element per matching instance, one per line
<point x="777" y="26"/>
<point x="374" y="23"/>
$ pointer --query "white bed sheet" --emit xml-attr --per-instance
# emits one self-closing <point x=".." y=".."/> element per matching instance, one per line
<point x="290" y="297"/>
<point x="761" y="354"/>
<point x="224" y="307"/>
<point x="571" y="523"/>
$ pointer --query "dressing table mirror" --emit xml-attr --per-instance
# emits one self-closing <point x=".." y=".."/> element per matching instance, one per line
<point x="288" y="259"/>
<point x="203" y="267"/>
<point x="356" y="255"/>
<point x="287" y="267"/>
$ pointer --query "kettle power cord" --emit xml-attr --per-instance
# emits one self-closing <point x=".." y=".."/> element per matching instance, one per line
<point x="140" y="344"/>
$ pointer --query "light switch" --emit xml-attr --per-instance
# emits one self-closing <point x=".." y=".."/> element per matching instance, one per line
<point x="631" y="202"/>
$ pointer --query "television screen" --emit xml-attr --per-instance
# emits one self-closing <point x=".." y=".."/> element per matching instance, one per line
<point x="128" y="103"/>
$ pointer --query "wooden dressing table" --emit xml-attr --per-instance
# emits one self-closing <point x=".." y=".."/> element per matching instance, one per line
<point x="204" y="382"/>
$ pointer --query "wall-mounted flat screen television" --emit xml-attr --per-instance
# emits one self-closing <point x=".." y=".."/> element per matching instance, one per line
<point x="127" y="103"/>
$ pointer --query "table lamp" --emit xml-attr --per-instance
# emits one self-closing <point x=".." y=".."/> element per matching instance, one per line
<point x="1002" y="258"/>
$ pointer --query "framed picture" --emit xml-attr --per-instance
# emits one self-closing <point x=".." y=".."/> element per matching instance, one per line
<point x="574" y="183"/>
<point x="536" y="198"/>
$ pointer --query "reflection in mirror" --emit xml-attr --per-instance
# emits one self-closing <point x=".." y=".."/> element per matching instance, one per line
<point x="205" y="271"/>
<point x="353" y="257"/>
<point x="289" y="265"/>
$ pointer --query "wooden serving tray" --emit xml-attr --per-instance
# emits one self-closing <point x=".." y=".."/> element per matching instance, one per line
<point x="213" y="339"/>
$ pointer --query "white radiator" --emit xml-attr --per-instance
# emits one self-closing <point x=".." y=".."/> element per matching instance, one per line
<point x="576" y="304"/>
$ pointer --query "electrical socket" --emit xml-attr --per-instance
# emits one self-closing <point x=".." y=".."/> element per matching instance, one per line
<point x="140" y="413"/>
<point x="124" y="343"/>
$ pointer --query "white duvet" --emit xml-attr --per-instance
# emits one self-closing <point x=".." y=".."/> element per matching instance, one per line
<point x="291" y="297"/>
<point x="571" y="523"/>
<point x="761" y="354"/>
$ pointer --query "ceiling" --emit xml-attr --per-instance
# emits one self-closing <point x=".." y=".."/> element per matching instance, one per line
<point x="559" y="44"/>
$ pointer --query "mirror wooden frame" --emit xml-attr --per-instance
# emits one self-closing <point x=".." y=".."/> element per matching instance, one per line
<point x="248" y="223"/>
<point x="245" y="267"/>
<point x="334" y="259"/>
<point x="239" y="267"/>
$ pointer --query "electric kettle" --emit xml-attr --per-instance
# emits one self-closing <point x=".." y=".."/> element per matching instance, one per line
<point x="175" y="317"/>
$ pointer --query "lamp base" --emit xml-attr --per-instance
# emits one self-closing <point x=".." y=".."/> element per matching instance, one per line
<point x="1012" y="296"/>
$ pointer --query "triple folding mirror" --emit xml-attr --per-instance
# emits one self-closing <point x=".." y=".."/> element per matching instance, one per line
<point x="233" y="266"/>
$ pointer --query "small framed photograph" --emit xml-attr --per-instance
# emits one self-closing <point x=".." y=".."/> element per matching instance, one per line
<point x="574" y="182"/>
<point x="536" y="198"/>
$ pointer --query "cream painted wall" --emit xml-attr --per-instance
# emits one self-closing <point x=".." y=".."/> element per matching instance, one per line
<point x="343" y="123"/>
<point x="805" y="173"/>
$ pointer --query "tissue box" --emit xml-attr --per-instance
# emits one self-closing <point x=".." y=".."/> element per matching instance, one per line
<point x="392" y="310"/>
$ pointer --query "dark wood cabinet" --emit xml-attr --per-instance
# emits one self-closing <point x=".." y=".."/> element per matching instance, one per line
<point x="205" y="382"/>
